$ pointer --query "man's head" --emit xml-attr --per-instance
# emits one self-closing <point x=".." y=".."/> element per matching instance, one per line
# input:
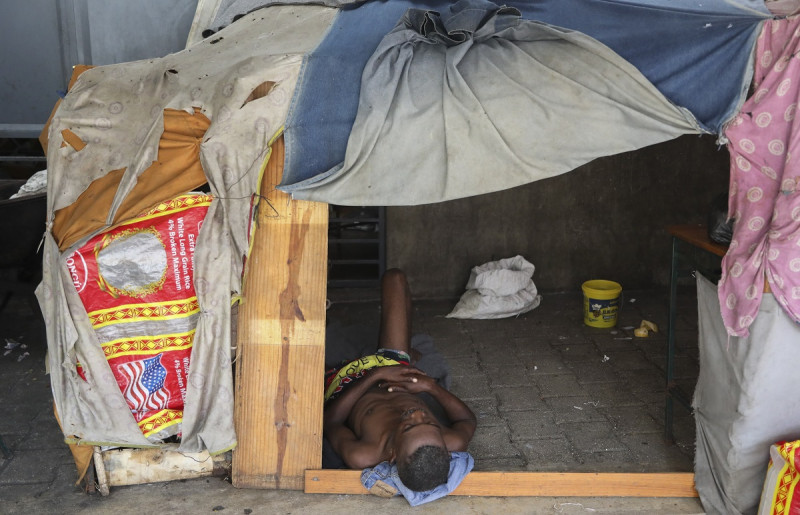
<point x="426" y="468"/>
<point x="420" y="452"/>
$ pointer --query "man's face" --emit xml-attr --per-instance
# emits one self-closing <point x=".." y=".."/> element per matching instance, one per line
<point x="417" y="427"/>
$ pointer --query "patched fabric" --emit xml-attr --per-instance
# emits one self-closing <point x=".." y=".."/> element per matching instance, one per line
<point x="106" y="137"/>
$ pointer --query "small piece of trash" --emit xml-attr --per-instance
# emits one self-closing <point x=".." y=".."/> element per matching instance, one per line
<point x="578" y="407"/>
<point x="593" y="403"/>
<point x="632" y="301"/>
<point x="12" y="345"/>
<point x="650" y="325"/>
<point x="605" y="358"/>
<point x="535" y="367"/>
<point x="643" y="331"/>
<point x="628" y="327"/>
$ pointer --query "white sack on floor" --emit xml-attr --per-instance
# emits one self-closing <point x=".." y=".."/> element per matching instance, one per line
<point x="745" y="400"/>
<point x="498" y="289"/>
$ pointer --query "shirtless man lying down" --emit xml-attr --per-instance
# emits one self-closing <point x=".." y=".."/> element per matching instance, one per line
<point x="373" y="412"/>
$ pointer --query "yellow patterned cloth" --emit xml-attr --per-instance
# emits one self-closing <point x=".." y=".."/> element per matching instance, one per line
<point x="339" y="378"/>
<point x="780" y="495"/>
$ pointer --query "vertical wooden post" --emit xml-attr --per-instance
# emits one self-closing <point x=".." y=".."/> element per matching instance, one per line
<point x="281" y="341"/>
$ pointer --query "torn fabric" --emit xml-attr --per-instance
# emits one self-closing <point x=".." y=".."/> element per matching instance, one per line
<point x="744" y="401"/>
<point x="228" y="11"/>
<point x="483" y="101"/>
<point x="177" y="159"/>
<point x="117" y="111"/>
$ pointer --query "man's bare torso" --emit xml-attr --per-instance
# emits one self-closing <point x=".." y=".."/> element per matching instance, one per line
<point x="377" y="413"/>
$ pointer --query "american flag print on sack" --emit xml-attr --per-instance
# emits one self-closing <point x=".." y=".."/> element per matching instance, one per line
<point x="145" y="388"/>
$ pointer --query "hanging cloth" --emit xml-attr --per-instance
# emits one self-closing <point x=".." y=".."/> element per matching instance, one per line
<point x="764" y="144"/>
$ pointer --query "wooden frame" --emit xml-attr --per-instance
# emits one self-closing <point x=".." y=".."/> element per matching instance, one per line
<point x="530" y="484"/>
<point x="280" y="363"/>
<point x="281" y="340"/>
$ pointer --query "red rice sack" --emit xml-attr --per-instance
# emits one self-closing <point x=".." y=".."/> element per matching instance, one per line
<point x="136" y="283"/>
<point x="780" y="495"/>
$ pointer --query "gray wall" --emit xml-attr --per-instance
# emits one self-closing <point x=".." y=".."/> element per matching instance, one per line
<point x="43" y="39"/>
<point x="605" y="220"/>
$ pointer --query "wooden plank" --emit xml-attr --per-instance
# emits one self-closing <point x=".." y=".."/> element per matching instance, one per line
<point x="697" y="235"/>
<point x="281" y="341"/>
<point x="530" y="484"/>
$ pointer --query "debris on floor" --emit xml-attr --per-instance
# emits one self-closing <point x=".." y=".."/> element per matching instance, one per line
<point x="19" y="349"/>
<point x="643" y="331"/>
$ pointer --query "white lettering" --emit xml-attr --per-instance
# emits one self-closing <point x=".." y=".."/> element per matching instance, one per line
<point x="176" y="272"/>
<point x="77" y="271"/>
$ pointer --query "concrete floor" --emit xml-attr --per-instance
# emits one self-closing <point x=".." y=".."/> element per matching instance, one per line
<point x="550" y="394"/>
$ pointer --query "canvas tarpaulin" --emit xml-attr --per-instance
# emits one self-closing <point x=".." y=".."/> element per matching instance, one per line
<point x="745" y="400"/>
<point x="697" y="55"/>
<point x="482" y="101"/>
<point x="116" y="114"/>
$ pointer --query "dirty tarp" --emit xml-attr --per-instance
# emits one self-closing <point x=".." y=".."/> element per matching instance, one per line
<point x="228" y="11"/>
<point x="177" y="158"/>
<point x="765" y="185"/>
<point x="745" y="401"/>
<point x="117" y="114"/>
<point x="696" y="54"/>
<point x="483" y="101"/>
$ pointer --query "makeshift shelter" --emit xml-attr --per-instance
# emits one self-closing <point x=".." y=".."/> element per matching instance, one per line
<point x="130" y="137"/>
<point x="448" y="94"/>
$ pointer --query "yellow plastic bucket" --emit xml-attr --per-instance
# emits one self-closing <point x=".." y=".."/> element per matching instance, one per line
<point x="601" y="302"/>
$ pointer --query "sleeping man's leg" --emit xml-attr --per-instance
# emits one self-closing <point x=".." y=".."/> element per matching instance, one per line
<point x="395" y="332"/>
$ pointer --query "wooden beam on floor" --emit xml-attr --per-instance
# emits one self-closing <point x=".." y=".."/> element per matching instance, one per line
<point x="530" y="484"/>
<point x="281" y="341"/>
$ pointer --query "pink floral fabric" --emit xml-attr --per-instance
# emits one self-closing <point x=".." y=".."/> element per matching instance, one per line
<point x="764" y="144"/>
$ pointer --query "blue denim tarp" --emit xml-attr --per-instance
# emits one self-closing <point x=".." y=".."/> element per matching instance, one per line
<point x="475" y="102"/>
<point x="698" y="56"/>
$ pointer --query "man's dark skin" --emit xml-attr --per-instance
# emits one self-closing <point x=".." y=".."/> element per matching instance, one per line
<point x="380" y="417"/>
